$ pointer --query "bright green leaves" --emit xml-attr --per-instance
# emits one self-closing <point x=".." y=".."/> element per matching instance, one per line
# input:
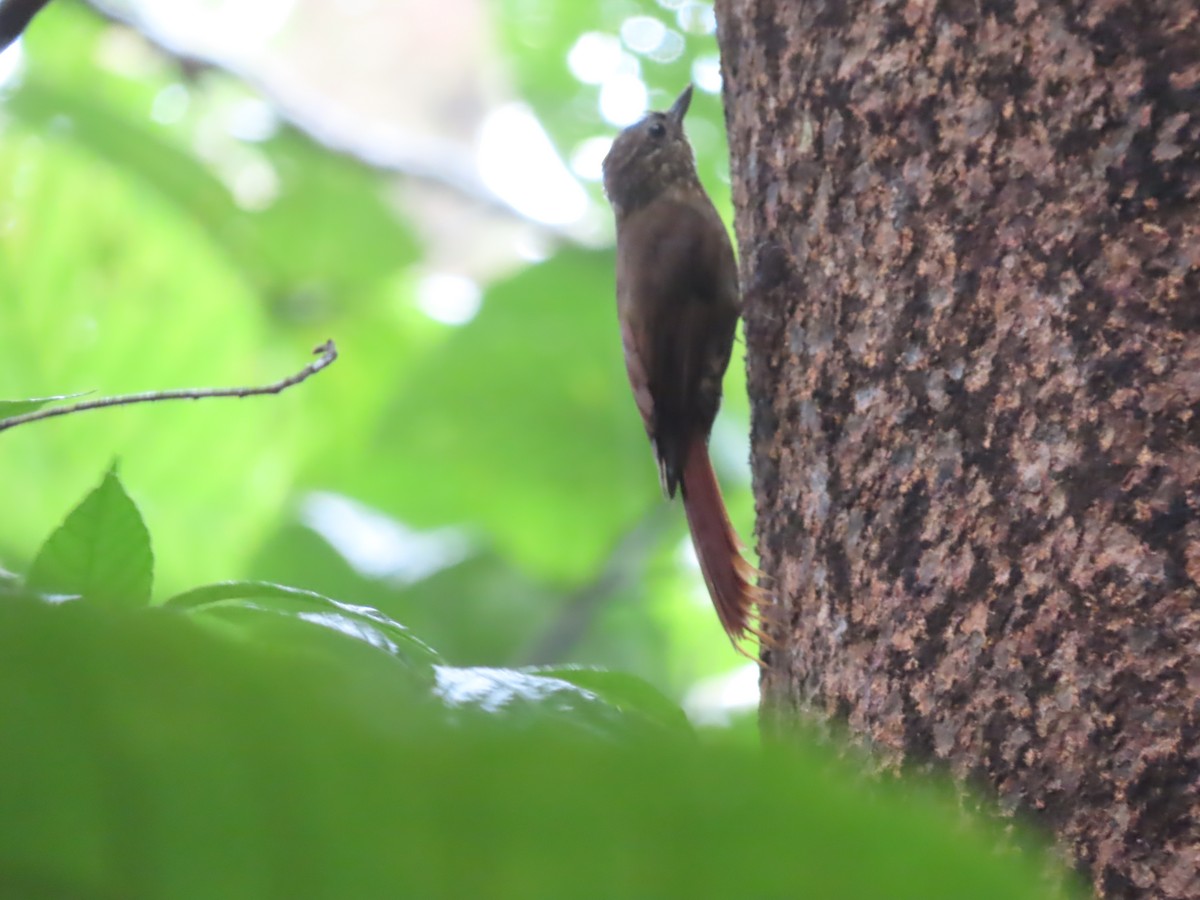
<point x="100" y="553"/>
<point x="145" y="756"/>
<point x="101" y="556"/>
<point x="514" y="700"/>
<point x="631" y="695"/>
<point x="253" y="610"/>
<point x="129" y="261"/>
<point x="102" y="287"/>
<point x="247" y="739"/>
<point x="132" y="259"/>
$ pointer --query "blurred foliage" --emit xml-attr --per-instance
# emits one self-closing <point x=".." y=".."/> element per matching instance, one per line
<point x="487" y="485"/>
<point x="539" y="37"/>
<point x="253" y="740"/>
<point x="149" y="243"/>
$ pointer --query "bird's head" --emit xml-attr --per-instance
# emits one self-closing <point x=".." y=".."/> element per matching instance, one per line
<point x="649" y="157"/>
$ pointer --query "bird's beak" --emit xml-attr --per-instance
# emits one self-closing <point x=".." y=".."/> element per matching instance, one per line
<point x="680" y="107"/>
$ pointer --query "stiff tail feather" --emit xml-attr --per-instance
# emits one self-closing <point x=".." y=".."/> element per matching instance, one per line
<point x="729" y="577"/>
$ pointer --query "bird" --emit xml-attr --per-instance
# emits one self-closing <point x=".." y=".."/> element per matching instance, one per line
<point x="678" y="305"/>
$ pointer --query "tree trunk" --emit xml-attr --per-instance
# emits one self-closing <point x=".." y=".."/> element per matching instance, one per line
<point x="970" y="249"/>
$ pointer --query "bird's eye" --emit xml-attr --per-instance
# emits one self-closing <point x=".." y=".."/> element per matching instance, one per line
<point x="657" y="129"/>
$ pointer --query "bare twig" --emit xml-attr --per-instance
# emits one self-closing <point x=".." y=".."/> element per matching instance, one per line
<point x="327" y="351"/>
<point x="444" y="164"/>
<point x="15" y="16"/>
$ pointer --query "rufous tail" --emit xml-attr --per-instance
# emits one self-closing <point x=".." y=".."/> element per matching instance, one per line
<point x="729" y="577"/>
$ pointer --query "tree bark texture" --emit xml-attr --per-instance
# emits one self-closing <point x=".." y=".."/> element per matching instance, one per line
<point x="970" y="250"/>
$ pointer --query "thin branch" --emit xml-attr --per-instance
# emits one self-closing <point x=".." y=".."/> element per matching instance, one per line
<point x="327" y="351"/>
<point x="442" y="163"/>
<point x="15" y="16"/>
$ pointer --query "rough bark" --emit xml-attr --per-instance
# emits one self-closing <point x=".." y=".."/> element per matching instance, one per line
<point x="970" y="242"/>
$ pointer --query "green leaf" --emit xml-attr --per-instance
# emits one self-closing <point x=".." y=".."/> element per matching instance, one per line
<point x="480" y="609"/>
<point x="127" y="265"/>
<point x="10" y="409"/>
<point x="255" y="605"/>
<point x="86" y="273"/>
<point x="101" y="552"/>
<point x="628" y="693"/>
<point x="145" y="756"/>
<point x="301" y="622"/>
<point x="514" y="699"/>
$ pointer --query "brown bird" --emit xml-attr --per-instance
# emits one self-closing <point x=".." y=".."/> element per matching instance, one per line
<point x="678" y="305"/>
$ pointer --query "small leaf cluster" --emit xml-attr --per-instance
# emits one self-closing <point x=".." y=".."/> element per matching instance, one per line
<point x="248" y="739"/>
